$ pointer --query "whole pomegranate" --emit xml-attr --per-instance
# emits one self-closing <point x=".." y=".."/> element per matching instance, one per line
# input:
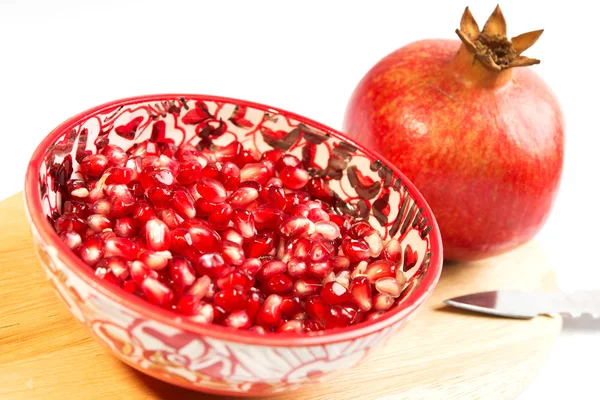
<point x="481" y="139"/>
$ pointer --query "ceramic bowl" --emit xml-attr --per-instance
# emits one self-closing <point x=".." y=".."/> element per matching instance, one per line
<point x="213" y="358"/>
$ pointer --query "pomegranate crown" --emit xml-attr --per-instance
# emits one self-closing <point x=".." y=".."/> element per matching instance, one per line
<point x="491" y="46"/>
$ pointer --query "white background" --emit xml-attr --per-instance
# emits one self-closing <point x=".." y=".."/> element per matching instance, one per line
<point x="58" y="58"/>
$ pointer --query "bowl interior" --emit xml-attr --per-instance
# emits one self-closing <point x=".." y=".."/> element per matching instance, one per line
<point x="364" y="185"/>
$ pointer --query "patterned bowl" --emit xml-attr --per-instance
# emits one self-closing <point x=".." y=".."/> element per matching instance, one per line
<point x="213" y="358"/>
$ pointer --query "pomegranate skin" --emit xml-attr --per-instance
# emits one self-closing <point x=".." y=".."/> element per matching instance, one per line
<point x="488" y="158"/>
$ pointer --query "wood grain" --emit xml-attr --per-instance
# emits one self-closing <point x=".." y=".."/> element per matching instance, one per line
<point x="440" y="354"/>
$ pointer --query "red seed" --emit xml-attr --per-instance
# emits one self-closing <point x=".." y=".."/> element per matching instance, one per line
<point x="155" y="260"/>
<point x="204" y="208"/>
<point x="301" y="248"/>
<point x="274" y="196"/>
<point x="290" y="307"/>
<point x="160" y="196"/>
<point x="360" y="229"/>
<point x="124" y="227"/>
<point x="291" y="326"/>
<point x="233" y="253"/>
<point x="91" y="251"/>
<point x="243" y="221"/>
<point x="213" y="265"/>
<point x="388" y="285"/>
<point x="139" y="272"/>
<point x="117" y="266"/>
<point x="269" y="314"/>
<point x="310" y="325"/>
<point x="228" y="152"/>
<point x="230" y="176"/>
<point x="158" y="235"/>
<point x="373" y="315"/>
<point x="205" y="314"/>
<point x="334" y="293"/>
<point x="307" y="287"/>
<point x="297" y="268"/>
<point x="71" y="239"/>
<point x="285" y="161"/>
<point x="182" y="272"/>
<point x="183" y="203"/>
<point x="295" y="227"/>
<point x="267" y="216"/>
<point x="94" y="165"/>
<point x="156" y="292"/>
<point x="338" y="317"/>
<point x="329" y="230"/>
<point x="234" y="236"/>
<point x="118" y="175"/>
<point x="77" y="208"/>
<point x="317" y="215"/>
<point x="294" y="177"/>
<point x="255" y="172"/>
<point x="243" y="196"/>
<point x="70" y="223"/>
<point x="121" y="247"/>
<point x="187" y="305"/>
<point x="260" y="246"/>
<point x="355" y="249"/>
<point x="114" y="154"/>
<point x="230" y="299"/>
<point x="221" y="216"/>
<point x="211" y="190"/>
<point x="280" y="283"/>
<point x="375" y="244"/>
<point x="251" y="266"/>
<point x="141" y="214"/>
<point x="254" y="302"/>
<point x="238" y="320"/>
<point x="233" y="279"/>
<point x="319" y="252"/>
<point x="189" y="172"/>
<point x="272" y="155"/>
<point x="271" y="269"/>
<point x="122" y="201"/>
<point x="170" y="217"/>
<point x="360" y="290"/>
<point x="130" y="286"/>
<point x="153" y="176"/>
<point x="200" y="288"/>
<point x="98" y="222"/>
<point x="320" y="269"/>
<point x="202" y="235"/>
<point x="340" y="263"/>
<point x="316" y="308"/>
<point x="380" y="269"/>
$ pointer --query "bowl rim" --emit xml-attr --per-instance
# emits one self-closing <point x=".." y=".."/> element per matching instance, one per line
<point x="34" y="208"/>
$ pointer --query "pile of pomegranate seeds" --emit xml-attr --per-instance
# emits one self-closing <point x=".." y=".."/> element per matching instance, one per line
<point x="222" y="237"/>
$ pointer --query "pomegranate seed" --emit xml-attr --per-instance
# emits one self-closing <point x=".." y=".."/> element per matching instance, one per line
<point x="124" y="227"/>
<point x="130" y="287"/>
<point x="118" y="175"/>
<point x="380" y="269"/>
<point x="269" y="314"/>
<point x="297" y="268"/>
<point x="228" y="152"/>
<point x="320" y="269"/>
<point x="360" y="289"/>
<point x="287" y="160"/>
<point x="388" y="286"/>
<point x="155" y="260"/>
<point x="311" y="325"/>
<point x="355" y="249"/>
<point x="338" y="317"/>
<point x="200" y="288"/>
<point x="373" y="315"/>
<point x="272" y="155"/>
<point x="94" y="165"/>
<point x="102" y="206"/>
<point x="122" y="201"/>
<point x="360" y="229"/>
<point x="254" y="302"/>
<point x="238" y="320"/>
<point x="98" y="222"/>
<point x="187" y="304"/>
<point x="233" y="279"/>
<point x="307" y="287"/>
<point x="160" y="196"/>
<point x="316" y="308"/>
<point x="232" y="253"/>
<point x="230" y="299"/>
<point x="301" y="247"/>
<point x="291" y="326"/>
<point x="234" y="236"/>
<point x="117" y="266"/>
<point x="267" y="216"/>
<point x="290" y="307"/>
<point x="76" y="208"/>
<point x="340" y="263"/>
<point x="139" y="272"/>
<point x="70" y="223"/>
<point x="271" y="269"/>
<point x="329" y="230"/>
<point x="392" y="251"/>
<point x="71" y="239"/>
<point x="343" y="278"/>
<point x="158" y="235"/>
<point x="153" y="176"/>
<point x="183" y="203"/>
<point x="141" y="214"/>
<point x="274" y="196"/>
<point x="400" y="278"/>
<point x="156" y="292"/>
<point x="204" y="208"/>
<point x="230" y="176"/>
<point x="189" y="172"/>
<point x="280" y="283"/>
<point x="213" y="265"/>
<point x="334" y="293"/>
<point x="255" y="172"/>
<point x="375" y="244"/>
<point x="382" y="302"/>
<point x="121" y="247"/>
<point x="299" y="210"/>
<point x="243" y="196"/>
<point x="211" y="190"/>
<point x="257" y="329"/>
<point x="295" y="227"/>
<point x="202" y="236"/>
<point x="251" y="266"/>
<point x="182" y="272"/>
<point x="78" y="189"/>
<point x="294" y="177"/>
<point x="318" y="252"/>
<point x="260" y="246"/>
<point x="243" y="221"/>
<point x="317" y="215"/>
<point x="114" y="154"/>
<point x="359" y="270"/>
<point x="91" y="251"/>
<point x="221" y="216"/>
<point x="204" y="314"/>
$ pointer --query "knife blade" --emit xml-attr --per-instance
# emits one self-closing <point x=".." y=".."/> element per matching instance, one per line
<point x="527" y="305"/>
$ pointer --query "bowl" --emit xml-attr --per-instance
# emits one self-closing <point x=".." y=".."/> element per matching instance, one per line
<point x="213" y="358"/>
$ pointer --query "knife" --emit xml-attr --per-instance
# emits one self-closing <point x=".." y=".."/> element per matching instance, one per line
<point x="527" y="305"/>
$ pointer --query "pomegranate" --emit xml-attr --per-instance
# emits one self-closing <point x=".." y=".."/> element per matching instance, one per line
<point x="240" y="243"/>
<point x="481" y="139"/>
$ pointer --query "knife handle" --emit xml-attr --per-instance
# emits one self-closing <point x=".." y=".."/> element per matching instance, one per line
<point x="577" y="303"/>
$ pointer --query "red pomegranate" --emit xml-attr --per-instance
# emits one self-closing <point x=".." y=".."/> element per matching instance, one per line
<point x="480" y="138"/>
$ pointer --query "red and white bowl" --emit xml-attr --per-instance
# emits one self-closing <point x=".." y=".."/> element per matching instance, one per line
<point x="214" y="358"/>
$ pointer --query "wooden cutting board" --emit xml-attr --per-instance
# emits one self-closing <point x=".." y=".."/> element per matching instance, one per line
<point x="440" y="354"/>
